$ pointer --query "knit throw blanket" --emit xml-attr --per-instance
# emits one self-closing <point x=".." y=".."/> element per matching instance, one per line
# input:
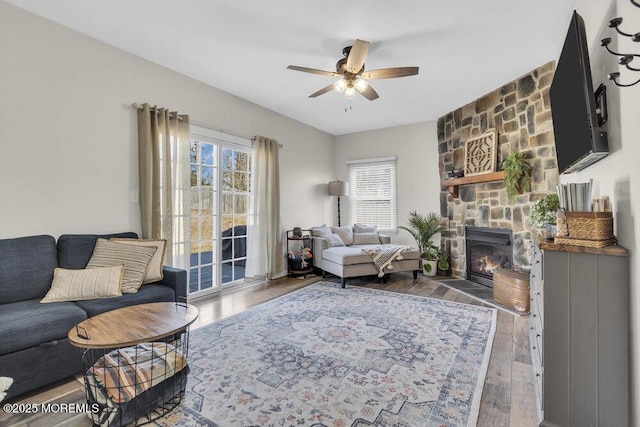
<point x="383" y="255"/>
<point x="127" y="372"/>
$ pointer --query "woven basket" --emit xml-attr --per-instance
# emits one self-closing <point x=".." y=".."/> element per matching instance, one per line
<point x="591" y="229"/>
<point x="584" y="242"/>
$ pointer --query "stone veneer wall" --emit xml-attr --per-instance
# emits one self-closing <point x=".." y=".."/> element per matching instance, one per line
<point x="520" y="112"/>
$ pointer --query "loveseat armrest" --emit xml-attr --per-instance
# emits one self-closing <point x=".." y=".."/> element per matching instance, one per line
<point x="176" y="279"/>
<point x="384" y="239"/>
<point x="319" y="245"/>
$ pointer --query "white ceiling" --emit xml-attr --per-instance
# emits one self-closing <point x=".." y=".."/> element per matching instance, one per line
<point x="464" y="48"/>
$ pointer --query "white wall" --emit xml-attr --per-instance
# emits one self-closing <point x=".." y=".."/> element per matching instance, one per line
<point x="68" y="135"/>
<point x="618" y="175"/>
<point x="418" y="181"/>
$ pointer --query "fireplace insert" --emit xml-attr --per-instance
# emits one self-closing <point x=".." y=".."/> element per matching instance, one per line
<point x="487" y="249"/>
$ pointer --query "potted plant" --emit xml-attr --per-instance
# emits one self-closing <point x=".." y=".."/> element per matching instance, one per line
<point x="430" y="260"/>
<point x="423" y="228"/>
<point x="516" y="174"/>
<point x="544" y="212"/>
<point x="443" y="261"/>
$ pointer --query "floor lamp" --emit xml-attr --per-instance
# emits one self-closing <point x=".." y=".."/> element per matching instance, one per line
<point x="338" y="188"/>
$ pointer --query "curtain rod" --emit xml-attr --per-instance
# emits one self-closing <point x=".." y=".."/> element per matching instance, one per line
<point x="139" y="107"/>
<point x="221" y="130"/>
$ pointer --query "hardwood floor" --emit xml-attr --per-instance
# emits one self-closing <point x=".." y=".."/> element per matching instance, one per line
<point x="508" y="395"/>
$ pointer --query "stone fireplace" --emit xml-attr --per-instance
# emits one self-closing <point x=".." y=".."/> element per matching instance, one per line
<point x="487" y="249"/>
<point x="520" y="113"/>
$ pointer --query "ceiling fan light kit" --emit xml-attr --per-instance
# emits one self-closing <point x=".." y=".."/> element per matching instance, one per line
<point x="353" y="77"/>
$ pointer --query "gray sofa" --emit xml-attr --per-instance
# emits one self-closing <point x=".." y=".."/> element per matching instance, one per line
<point x="34" y="349"/>
<point x="352" y="260"/>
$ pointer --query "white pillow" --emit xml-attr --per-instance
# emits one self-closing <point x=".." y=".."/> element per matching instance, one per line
<point x="366" y="239"/>
<point x="324" y="232"/>
<point x="333" y="239"/>
<point x="345" y="232"/>
<point x="136" y="261"/>
<point x="154" y="272"/>
<point x="319" y="231"/>
<point x="361" y="228"/>
<point x="76" y="285"/>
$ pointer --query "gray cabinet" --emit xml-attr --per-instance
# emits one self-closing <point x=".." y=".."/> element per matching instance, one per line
<point x="579" y="334"/>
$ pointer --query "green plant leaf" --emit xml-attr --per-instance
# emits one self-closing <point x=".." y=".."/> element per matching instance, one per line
<point x="427" y="267"/>
<point x="516" y="173"/>
<point x="422" y="228"/>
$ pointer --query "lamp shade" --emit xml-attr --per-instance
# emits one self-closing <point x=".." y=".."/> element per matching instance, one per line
<point x="338" y="188"/>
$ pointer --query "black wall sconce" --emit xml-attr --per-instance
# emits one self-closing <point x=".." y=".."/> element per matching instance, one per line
<point x="624" y="58"/>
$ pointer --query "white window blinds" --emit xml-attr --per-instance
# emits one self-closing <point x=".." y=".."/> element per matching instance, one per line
<point x="372" y="185"/>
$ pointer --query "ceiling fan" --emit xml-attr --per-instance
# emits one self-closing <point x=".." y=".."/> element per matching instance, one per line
<point x="353" y="76"/>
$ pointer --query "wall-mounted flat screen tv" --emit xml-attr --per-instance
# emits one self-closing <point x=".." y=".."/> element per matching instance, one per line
<point x="580" y="141"/>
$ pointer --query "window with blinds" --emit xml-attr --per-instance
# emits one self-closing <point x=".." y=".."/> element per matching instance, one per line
<point x="372" y="185"/>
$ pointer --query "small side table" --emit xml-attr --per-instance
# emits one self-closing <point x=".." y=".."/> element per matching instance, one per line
<point x="299" y="261"/>
<point x="135" y="361"/>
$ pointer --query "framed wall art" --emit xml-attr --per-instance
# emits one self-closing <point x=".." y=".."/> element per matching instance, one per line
<point x="481" y="154"/>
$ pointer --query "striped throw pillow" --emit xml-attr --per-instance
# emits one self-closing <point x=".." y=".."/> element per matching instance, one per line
<point x="76" y="285"/>
<point x="136" y="261"/>
<point x="154" y="272"/>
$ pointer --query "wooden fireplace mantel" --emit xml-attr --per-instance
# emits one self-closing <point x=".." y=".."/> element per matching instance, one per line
<point x="454" y="183"/>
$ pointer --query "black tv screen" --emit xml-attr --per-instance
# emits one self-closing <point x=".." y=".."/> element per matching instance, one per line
<point x="579" y="140"/>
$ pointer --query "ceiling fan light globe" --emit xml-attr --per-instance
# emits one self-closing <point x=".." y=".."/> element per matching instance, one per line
<point x="361" y="84"/>
<point x="350" y="92"/>
<point x="340" y="85"/>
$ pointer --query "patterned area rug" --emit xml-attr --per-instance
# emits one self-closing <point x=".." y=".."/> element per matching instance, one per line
<point x="326" y="356"/>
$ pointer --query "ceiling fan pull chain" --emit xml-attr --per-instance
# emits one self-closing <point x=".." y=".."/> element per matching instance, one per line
<point x="350" y="107"/>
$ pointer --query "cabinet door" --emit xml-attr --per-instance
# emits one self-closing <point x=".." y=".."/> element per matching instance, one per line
<point x="556" y="338"/>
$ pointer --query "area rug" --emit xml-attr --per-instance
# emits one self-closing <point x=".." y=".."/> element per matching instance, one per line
<point x="326" y="356"/>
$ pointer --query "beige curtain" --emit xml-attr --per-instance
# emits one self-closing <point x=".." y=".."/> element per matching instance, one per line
<point x="163" y="149"/>
<point x="265" y="253"/>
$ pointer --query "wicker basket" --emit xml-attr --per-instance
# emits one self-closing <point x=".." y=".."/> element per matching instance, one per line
<point x="591" y="229"/>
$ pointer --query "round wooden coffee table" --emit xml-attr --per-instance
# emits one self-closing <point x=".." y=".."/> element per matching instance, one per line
<point x="135" y="361"/>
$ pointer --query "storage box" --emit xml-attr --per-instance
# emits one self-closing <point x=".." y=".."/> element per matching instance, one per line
<point x="511" y="289"/>
<point x="590" y="229"/>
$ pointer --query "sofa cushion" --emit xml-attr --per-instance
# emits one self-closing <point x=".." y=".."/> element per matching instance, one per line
<point x="348" y="255"/>
<point x="136" y="261"/>
<point x="154" y="272"/>
<point x="26" y="267"/>
<point x="356" y="254"/>
<point x="75" y="250"/>
<point x="361" y="228"/>
<point x="326" y="233"/>
<point x="29" y="323"/>
<point x="366" y="239"/>
<point x="90" y="283"/>
<point x="345" y="232"/>
<point x="146" y="294"/>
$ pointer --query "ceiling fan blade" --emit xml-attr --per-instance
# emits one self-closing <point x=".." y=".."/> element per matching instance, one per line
<point x="370" y="93"/>
<point x="357" y="55"/>
<point x="322" y="91"/>
<point x="313" y="71"/>
<point x="390" y="73"/>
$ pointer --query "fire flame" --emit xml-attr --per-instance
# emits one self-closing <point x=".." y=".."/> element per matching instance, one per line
<point x="488" y="265"/>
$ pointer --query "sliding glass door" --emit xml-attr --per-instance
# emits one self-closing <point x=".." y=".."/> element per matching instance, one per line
<point x="221" y="174"/>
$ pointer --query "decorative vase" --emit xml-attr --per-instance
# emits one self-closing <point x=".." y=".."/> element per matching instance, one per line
<point x="446" y="272"/>
<point x="550" y="231"/>
<point x="429" y="267"/>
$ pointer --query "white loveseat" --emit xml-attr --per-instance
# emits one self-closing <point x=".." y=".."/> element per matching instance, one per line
<point x="343" y="251"/>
